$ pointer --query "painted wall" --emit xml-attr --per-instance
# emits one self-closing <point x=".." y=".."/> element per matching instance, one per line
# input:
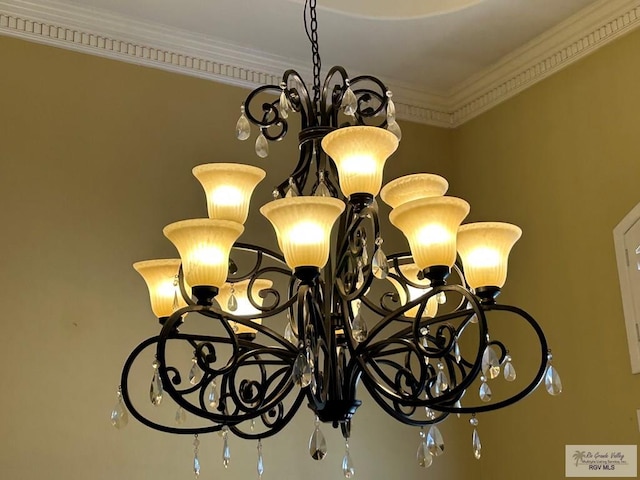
<point x="562" y="160"/>
<point x="95" y="158"/>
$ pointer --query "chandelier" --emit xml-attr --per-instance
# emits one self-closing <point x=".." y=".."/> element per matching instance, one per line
<point x="250" y="335"/>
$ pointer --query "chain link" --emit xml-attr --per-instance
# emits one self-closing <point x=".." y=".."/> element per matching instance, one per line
<point x="311" y="28"/>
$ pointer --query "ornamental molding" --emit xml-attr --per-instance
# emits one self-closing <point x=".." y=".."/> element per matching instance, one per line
<point x="79" y="28"/>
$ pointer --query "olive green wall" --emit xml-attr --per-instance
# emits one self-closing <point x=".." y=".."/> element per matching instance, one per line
<point x="95" y="158"/>
<point x="562" y="160"/>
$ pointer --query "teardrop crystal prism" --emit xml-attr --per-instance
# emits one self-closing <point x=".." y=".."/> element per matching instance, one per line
<point x="260" y="464"/>
<point x="429" y="413"/>
<point x="360" y="280"/>
<point x="379" y="264"/>
<point x="424" y="457"/>
<point x="485" y="392"/>
<point x="195" y="374"/>
<point x="181" y="416"/>
<point x="289" y="336"/>
<point x="243" y="128"/>
<point x="359" y="329"/>
<point x="322" y="190"/>
<point x="213" y="394"/>
<point x="347" y="465"/>
<point x="391" y="111"/>
<point x="155" y="392"/>
<point x="435" y="442"/>
<point x="456" y="352"/>
<point x="302" y="372"/>
<point x="232" y="303"/>
<point x="394" y="128"/>
<point x="477" y="446"/>
<point x="509" y="372"/>
<point x="284" y="106"/>
<point x="317" y="444"/>
<point x="196" y="466"/>
<point x="490" y="363"/>
<point x="441" y="298"/>
<point x="262" y="146"/>
<point x="442" y="383"/>
<point x="552" y="381"/>
<point x="292" y="189"/>
<point x="349" y="102"/>
<point x="226" y="451"/>
<point x="119" y="415"/>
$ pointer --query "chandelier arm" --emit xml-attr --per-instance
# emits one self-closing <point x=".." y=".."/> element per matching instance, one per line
<point x="331" y="98"/>
<point x="299" y="97"/>
<point x="270" y="118"/>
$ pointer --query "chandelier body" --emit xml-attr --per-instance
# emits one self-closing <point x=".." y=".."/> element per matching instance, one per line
<point x="412" y="327"/>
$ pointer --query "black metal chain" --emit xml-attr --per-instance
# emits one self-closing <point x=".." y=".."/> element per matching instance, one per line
<point x="311" y="28"/>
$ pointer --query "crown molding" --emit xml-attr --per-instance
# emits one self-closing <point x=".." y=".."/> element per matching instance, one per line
<point x="113" y="36"/>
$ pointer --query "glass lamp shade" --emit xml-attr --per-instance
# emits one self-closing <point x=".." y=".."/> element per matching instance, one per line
<point x="431" y="225"/>
<point x="360" y="153"/>
<point x="160" y="276"/>
<point x="303" y="226"/>
<point x="484" y="249"/>
<point x="410" y="272"/>
<point x="244" y="306"/>
<point x="412" y="187"/>
<point x="204" y="245"/>
<point x="228" y="187"/>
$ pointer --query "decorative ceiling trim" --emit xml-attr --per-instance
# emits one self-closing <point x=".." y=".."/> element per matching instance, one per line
<point x="117" y="37"/>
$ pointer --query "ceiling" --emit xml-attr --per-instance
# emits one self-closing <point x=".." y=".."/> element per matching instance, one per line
<point x="439" y="56"/>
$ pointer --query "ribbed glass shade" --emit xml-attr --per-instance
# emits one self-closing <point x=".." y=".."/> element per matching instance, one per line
<point x="160" y="276"/>
<point x="228" y="187"/>
<point x="431" y="225"/>
<point x="204" y="245"/>
<point x="410" y="272"/>
<point x="303" y="226"/>
<point x="412" y="187"/>
<point x="359" y="154"/>
<point x="484" y="249"/>
<point x="244" y="306"/>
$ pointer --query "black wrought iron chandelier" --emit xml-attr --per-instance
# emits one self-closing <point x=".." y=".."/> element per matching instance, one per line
<point x="267" y="333"/>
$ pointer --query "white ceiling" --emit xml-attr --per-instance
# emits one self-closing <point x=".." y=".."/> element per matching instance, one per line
<point x="443" y="67"/>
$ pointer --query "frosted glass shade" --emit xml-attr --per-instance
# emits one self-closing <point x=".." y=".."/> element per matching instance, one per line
<point x="228" y="187"/>
<point x="412" y="187"/>
<point x="484" y="249"/>
<point x="204" y="245"/>
<point x="410" y="272"/>
<point x="244" y="306"/>
<point x="160" y="276"/>
<point x="360" y="154"/>
<point x="303" y="226"/>
<point x="431" y="226"/>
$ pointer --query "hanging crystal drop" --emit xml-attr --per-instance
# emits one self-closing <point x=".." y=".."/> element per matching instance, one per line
<point x="435" y="442"/>
<point x="359" y="330"/>
<point x="226" y="451"/>
<point x="379" y="264"/>
<point x="431" y="415"/>
<point x="423" y="455"/>
<point x="196" y="462"/>
<point x="243" y="128"/>
<point x="292" y="189"/>
<point x="349" y="102"/>
<point x="322" y="190"/>
<point x="213" y="394"/>
<point x="394" y="128"/>
<point x="552" y="381"/>
<point x="262" y="146"/>
<point x="119" y="415"/>
<point x="284" y="105"/>
<point x="360" y="280"/>
<point x="176" y="291"/>
<point x="347" y="464"/>
<point x="232" y="303"/>
<point x="442" y="382"/>
<point x="457" y="405"/>
<point x="490" y="363"/>
<point x="289" y="336"/>
<point x="391" y="108"/>
<point x="181" y="416"/>
<point x="195" y="374"/>
<point x="260" y="464"/>
<point x="508" y="370"/>
<point x="477" y="446"/>
<point x="485" y="390"/>
<point x="317" y="442"/>
<point x="441" y="298"/>
<point x="456" y="352"/>
<point x="302" y="372"/>
<point x="155" y="392"/>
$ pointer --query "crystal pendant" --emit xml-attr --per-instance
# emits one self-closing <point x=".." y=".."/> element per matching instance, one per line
<point x="181" y="416"/>
<point x="196" y="462"/>
<point x="508" y="371"/>
<point x="485" y="392"/>
<point x="359" y="329"/>
<point x="292" y="190"/>
<point x="429" y="413"/>
<point x="477" y="446"/>
<point x="213" y="394"/>
<point x="302" y="371"/>
<point x="457" y="405"/>
<point x="552" y="381"/>
<point x="347" y="464"/>
<point x="490" y="363"/>
<point x="176" y="292"/>
<point x="243" y="128"/>
<point x="441" y="298"/>
<point x="195" y="374"/>
<point x="155" y="392"/>
<point x="349" y="102"/>
<point x="260" y="464"/>
<point x="262" y="146"/>
<point x="232" y="303"/>
<point x="317" y="443"/>
<point x="226" y="451"/>
<point x="284" y="105"/>
<point x="423" y="455"/>
<point x="360" y="280"/>
<point x="442" y="382"/>
<point x="119" y="415"/>
<point x="456" y="352"/>
<point x="391" y="108"/>
<point x="379" y="264"/>
<point x="435" y="442"/>
<point x="289" y="336"/>
<point x="394" y="128"/>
